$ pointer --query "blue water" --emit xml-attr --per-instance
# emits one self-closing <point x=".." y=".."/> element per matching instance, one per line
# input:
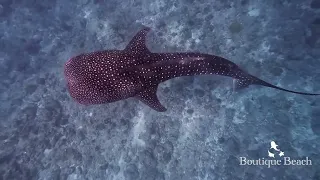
<point x="208" y="128"/>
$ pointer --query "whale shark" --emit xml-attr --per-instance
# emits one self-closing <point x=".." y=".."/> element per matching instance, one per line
<point x="111" y="75"/>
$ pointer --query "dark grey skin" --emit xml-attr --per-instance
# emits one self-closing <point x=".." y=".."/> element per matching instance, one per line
<point x="113" y="75"/>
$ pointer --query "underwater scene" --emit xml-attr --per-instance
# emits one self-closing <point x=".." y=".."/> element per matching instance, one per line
<point x="159" y="90"/>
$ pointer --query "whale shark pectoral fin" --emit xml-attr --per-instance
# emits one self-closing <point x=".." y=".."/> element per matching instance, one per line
<point x="138" y="42"/>
<point x="149" y="97"/>
<point x="239" y="84"/>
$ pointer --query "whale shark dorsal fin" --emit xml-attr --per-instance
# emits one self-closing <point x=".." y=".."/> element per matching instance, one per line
<point x="149" y="97"/>
<point x="138" y="42"/>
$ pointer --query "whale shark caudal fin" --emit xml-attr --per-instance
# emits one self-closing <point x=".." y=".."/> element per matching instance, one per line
<point x="239" y="84"/>
<point x="149" y="97"/>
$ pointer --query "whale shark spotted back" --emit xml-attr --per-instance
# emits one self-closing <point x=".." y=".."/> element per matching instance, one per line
<point x="113" y="75"/>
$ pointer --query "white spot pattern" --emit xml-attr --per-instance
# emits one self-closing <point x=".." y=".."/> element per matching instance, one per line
<point x="171" y="65"/>
<point x="112" y="75"/>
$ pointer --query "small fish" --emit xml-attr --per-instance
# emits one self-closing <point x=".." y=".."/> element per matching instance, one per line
<point x="113" y="75"/>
